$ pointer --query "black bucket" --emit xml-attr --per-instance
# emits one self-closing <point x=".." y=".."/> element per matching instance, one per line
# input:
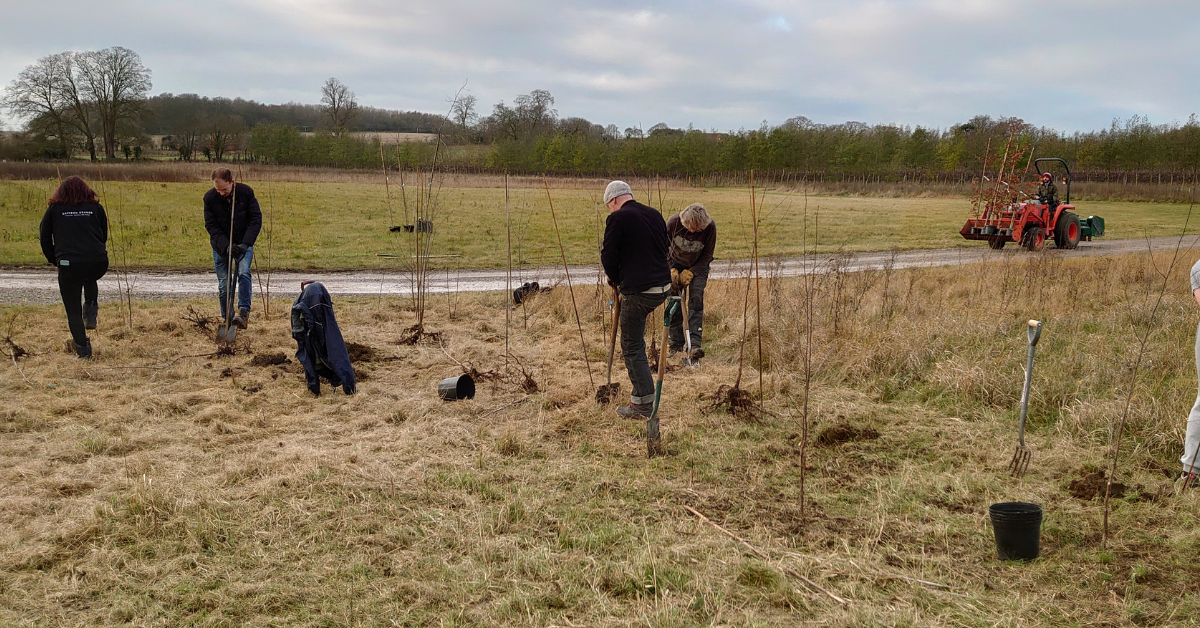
<point x="455" y="388"/>
<point x="1018" y="529"/>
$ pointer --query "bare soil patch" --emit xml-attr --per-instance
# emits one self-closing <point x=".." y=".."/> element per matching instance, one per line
<point x="832" y="435"/>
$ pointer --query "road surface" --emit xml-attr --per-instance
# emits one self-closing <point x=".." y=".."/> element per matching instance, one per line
<point x="41" y="286"/>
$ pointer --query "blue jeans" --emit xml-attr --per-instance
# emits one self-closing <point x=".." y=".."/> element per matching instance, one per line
<point x="241" y="278"/>
<point x="634" y="310"/>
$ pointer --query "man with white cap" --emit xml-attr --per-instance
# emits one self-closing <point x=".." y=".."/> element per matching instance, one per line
<point x="634" y="256"/>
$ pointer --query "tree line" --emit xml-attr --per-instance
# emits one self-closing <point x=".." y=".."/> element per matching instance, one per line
<point x="97" y="101"/>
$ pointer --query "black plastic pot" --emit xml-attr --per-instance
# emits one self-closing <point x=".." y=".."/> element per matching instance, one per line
<point x="455" y="388"/>
<point x="1018" y="530"/>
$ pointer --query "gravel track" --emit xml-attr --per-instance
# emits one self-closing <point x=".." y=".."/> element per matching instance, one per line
<point x="21" y="286"/>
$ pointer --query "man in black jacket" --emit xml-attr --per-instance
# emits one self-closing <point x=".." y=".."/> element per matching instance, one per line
<point x="634" y="256"/>
<point x="247" y="221"/>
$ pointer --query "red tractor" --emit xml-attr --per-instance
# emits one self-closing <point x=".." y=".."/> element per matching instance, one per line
<point x="1031" y="221"/>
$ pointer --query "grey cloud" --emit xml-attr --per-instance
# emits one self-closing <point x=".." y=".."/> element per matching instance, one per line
<point x="724" y="65"/>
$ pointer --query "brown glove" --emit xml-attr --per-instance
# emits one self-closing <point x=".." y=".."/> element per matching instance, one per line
<point x="685" y="277"/>
<point x="674" y="277"/>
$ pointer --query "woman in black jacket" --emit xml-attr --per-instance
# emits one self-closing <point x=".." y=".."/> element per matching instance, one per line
<point x="73" y="233"/>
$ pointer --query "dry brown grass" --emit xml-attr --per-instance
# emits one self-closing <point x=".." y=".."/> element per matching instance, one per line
<point x="210" y="491"/>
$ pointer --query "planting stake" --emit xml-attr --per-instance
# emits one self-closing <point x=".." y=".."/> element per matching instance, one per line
<point x="227" y="331"/>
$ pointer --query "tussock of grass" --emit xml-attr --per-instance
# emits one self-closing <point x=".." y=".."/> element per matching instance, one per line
<point x="175" y="495"/>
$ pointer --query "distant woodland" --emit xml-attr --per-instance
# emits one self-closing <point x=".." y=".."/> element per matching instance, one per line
<point x="96" y="105"/>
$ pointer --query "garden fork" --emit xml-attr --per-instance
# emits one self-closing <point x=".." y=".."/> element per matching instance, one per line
<point x="1020" y="460"/>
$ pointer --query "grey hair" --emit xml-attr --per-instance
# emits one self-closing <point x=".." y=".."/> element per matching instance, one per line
<point x="694" y="217"/>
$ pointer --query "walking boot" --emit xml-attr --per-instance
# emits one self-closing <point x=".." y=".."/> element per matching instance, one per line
<point x="636" y="410"/>
<point x="82" y="351"/>
<point x="90" y="312"/>
<point x="242" y="319"/>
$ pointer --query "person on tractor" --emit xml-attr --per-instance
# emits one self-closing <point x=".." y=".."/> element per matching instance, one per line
<point x="1047" y="192"/>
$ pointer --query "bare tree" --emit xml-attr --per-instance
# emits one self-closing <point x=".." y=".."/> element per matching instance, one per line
<point x="187" y="139"/>
<point x="47" y="94"/>
<point x="117" y="84"/>
<point x="225" y="134"/>
<point x="462" y="112"/>
<point x="534" y="111"/>
<point x="338" y="104"/>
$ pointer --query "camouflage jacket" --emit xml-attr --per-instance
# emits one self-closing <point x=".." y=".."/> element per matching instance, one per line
<point x="1048" y="192"/>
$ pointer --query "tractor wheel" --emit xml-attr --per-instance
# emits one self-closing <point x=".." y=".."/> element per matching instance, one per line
<point x="1066" y="232"/>
<point x="997" y="243"/>
<point x="1035" y="239"/>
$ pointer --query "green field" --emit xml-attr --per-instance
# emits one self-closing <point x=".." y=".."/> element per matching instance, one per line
<point x="345" y="225"/>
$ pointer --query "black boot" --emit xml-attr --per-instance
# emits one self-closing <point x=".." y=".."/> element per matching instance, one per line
<point x="242" y="319"/>
<point x="83" y="351"/>
<point x="90" y="312"/>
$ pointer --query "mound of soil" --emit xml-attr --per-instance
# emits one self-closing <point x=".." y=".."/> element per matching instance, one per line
<point x="361" y="353"/>
<point x="269" y="359"/>
<point x="844" y="433"/>
<point x="1091" y="484"/>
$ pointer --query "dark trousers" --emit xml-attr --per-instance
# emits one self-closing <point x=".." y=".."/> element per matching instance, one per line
<point x="695" y="307"/>
<point x="634" y="310"/>
<point x="74" y="279"/>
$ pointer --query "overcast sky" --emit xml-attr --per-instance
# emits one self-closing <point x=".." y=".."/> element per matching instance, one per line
<point x="1067" y="64"/>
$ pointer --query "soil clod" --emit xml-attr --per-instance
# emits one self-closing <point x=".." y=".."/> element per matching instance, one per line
<point x="1091" y="484"/>
<point x="269" y="359"/>
<point x="607" y="393"/>
<point x="845" y="433"/>
<point x="360" y="352"/>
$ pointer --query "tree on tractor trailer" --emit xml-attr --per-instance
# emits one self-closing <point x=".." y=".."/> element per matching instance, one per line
<point x="1032" y="221"/>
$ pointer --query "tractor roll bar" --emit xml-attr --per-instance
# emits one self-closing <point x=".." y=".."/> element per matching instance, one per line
<point x="1037" y="165"/>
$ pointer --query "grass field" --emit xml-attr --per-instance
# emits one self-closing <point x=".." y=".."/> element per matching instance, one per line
<point x="328" y="225"/>
<point x="160" y="485"/>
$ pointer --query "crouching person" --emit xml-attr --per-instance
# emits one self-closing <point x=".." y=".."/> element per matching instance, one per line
<point x="319" y="344"/>
<point x="693" y="238"/>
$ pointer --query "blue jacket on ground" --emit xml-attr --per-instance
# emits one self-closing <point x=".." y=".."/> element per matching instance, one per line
<point x="319" y="344"/>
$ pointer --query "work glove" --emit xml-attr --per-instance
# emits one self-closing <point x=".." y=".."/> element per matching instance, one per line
<point x="240" y="249"/>
<point x="674" y="276"/>
<point x="685" y="277"/>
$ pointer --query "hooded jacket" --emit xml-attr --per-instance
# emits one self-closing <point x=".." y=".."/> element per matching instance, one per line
<point x="319" y="345"/>
<point x="247" y="221"/>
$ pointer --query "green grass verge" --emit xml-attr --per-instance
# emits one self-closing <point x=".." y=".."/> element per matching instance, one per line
<point x="345" y="225"/>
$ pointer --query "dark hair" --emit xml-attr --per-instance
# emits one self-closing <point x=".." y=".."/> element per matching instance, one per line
<point x="73" y="191"/>
<point x="223" y="174"/>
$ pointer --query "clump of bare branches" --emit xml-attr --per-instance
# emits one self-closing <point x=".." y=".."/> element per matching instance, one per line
<point x="15" y="352"/>
<point x="737" y="401"/>
<point x="199" y="321"/>
<point x="416" y="335"/>
<point x="993" y="195"/>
